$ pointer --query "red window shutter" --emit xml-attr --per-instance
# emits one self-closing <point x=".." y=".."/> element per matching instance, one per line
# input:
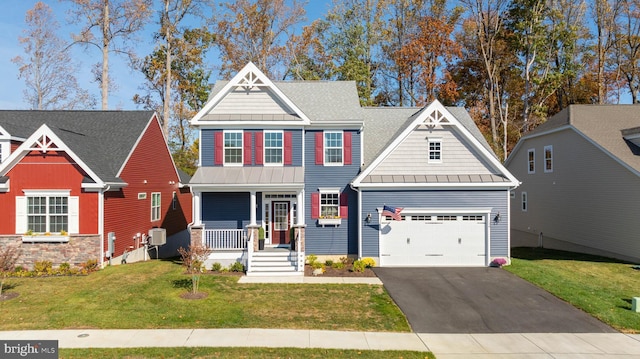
<point x="315" y="205"/>
<point x="347" y="147"/>
<point x="247" y="147"/>
<point x="344" y="205"/>
<point x="319" y="148"/>
<point x="219" y="148"/>
<point x="288" y="147"/>
<point x="259" y="147"/>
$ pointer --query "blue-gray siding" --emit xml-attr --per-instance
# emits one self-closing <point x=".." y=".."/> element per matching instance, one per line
<point x="207" y="146"/>
<point x="228" y="210"/>
<point x="328" y="240"/>
<point x="495" y="200"/>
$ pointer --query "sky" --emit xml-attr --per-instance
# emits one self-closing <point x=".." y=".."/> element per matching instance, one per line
<point x="128" y="81"/>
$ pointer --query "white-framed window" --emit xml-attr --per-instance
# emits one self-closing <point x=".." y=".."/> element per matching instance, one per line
<point x="329" y="203"/>
<point x="273" y="147"/>
<point x="155" y="206"/>
<point x="548" y="159"/>
<point x="525" y="203"/>
<point x="531" y="161"/>
<point x="48" y="214"/>
<point x="233" y="147"/>
<point x="435" y="150"/>
<point x="333" y="148"/>
<point x="47" y="211"/>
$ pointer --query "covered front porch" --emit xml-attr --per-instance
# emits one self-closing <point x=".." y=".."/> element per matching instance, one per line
<point x="254" y="215"/>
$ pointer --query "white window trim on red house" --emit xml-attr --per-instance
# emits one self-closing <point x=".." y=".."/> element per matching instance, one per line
<point x="73" y="203"/>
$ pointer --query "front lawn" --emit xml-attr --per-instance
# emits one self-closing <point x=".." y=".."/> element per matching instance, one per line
<point x="602" y="287"/>
<point x="205" y="353"/>
<point x="147" y="295"/>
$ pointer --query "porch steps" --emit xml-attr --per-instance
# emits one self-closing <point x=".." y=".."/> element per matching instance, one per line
<point x="274" y="263"/>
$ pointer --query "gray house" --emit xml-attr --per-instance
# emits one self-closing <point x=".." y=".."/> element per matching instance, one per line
<point x="580" y="174"/>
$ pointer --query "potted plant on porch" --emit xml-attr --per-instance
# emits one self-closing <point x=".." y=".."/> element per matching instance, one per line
<point x="261" y="238"/>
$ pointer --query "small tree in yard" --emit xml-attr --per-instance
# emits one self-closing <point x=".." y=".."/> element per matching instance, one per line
<point x="193" y="260"/>
<point x="8" y="258"/>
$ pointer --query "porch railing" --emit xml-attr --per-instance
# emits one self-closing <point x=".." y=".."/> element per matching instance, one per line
<point x="225" y="239"/>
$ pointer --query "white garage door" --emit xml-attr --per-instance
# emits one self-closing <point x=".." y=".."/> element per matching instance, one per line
<point x="433" y="240"/>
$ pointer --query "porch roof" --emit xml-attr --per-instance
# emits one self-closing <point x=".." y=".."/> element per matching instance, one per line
<point x="249" y="176"/>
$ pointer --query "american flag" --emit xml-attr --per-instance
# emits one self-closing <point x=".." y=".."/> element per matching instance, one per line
<point x="393" y="212"/>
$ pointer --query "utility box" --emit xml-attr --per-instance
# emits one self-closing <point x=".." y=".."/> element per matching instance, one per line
<point x="111" y="244"/>
<point x="635" y="304"/>
<point x="157" y="236"/>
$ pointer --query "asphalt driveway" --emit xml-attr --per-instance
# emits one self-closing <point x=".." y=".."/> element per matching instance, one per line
<point x="481" y="300"/>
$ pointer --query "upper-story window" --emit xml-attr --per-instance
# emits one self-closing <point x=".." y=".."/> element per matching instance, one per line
<point x="531" y="161"/>
<point x="233" y="147"/>
<point x="435" y="150"/>
<point x="548" y="159"/>
<point x="333" y="149"/>
<point x="273" y="147"/>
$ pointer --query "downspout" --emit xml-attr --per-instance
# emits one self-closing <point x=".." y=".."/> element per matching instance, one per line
<point x="101" y="222"/>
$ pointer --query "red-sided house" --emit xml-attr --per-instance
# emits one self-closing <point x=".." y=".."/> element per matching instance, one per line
<point x="71" y="180"/>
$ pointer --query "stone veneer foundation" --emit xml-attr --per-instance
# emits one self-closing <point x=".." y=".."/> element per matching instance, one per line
<point x="79" y="249"/>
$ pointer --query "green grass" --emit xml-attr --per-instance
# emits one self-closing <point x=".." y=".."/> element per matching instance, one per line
<point x="147" y="295"/>
<point x="238" y="353"/>
<point x="602" y="287"/>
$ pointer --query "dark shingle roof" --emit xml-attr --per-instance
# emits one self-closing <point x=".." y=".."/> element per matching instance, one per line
<point x="102" y="139"/>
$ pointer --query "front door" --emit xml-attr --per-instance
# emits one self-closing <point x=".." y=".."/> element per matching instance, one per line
<point x="280" y="228"/>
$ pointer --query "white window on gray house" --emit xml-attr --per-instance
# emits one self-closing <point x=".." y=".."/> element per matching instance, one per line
<point x="233" y="147"/>
<point x="155" y="206"/>
<point x="273" y="144"/>
<point x="531" y="161"/>
<point x="333" y="149"/>
<point x="48" y="214"/>
<point x="548" y="159"/>
<point x="524" y="202"/>
<point x="329" y="204"/>
<point x="435" y="150"/>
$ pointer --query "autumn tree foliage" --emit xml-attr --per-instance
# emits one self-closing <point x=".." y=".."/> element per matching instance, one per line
<point x="258" y="31"/>
<point x="47" y="67"/>
<point x="110" y="25"/>
<point x="428" y="52"/>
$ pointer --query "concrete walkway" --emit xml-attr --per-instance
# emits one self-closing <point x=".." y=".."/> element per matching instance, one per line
<point x="311" y="280"/>
<point x="444" y="346"/>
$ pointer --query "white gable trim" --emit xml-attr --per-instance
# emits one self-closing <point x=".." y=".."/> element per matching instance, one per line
<point x="250" y="76"/>
<point x="43" y="139"/>
<point x="433" y="115"/>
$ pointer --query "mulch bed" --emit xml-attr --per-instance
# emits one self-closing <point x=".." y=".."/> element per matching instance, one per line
<point x="346" y="272"/>
<point x="192" y="295"/>
<point x="7" y="296"/>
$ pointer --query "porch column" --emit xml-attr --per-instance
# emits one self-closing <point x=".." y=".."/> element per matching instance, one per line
<point x="252" y="217"/>
<point x="197" y="208"/>
<point x="300" y="207"/>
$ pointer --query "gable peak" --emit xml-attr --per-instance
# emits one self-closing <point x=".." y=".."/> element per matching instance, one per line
<point x="44" y="143"/>
<point x="436" y="118"/>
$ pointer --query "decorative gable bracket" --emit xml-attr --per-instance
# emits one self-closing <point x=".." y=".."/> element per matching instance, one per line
<point x="44" y="144"/>
<point x="435" y="119"/>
